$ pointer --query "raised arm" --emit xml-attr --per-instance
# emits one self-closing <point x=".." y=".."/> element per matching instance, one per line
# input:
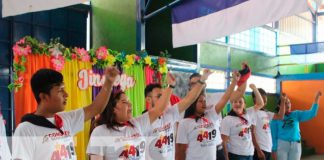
<point x="281" y="114"/>
<point x="99" y="104"/>
<point x="245" y="73"/>
<point x="194" y="92"/>
<point x="311" y="113"/>
<point x="318" y="94"/>
<point x="258" y="98"/>
<point x="162" y="103"/>
<point x="274" y="135"/>
<point x="222" y="102"/>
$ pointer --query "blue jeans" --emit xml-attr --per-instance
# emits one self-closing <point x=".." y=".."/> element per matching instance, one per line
<point x="232" y="156"/>
<point x="288" y="150"/>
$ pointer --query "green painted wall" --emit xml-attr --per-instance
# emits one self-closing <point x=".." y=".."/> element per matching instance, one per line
<point x="159" y="35"/>
<point x="297" y="69"/>
<point x="216" y="55"/>
<point x="320" y="67"/>
<point x="213" y="55"/>
<point x="271" y="104"/>
<point x="114" y="24"/>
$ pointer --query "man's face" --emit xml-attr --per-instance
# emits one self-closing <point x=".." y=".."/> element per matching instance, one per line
<point x="155" y="95"/>
<point x="56" y="100"/>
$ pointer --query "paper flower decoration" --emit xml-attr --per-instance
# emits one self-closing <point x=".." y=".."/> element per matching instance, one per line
<point x="101" y="53"/>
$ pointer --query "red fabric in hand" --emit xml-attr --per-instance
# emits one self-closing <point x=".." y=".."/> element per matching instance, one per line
<point x="245" y="75"/>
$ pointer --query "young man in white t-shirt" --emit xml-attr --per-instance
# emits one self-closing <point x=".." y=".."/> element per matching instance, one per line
<point x="48" y="132"/>
<point x="261" y="136"/>
<point x="161" y="138"/>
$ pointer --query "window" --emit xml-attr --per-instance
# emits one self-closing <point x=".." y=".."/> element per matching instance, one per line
<point x="257" y="39"/>
<point x="216" y="80"/>
<point x="268" y="84"/>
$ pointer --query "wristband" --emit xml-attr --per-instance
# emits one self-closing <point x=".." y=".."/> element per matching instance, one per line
<point x="201" y="82"/>
<point x="171" y="86"/>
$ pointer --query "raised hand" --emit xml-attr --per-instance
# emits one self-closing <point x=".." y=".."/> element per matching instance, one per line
<point x="205" y="75"/>
<point x="252" y="86"/>
<point x="318" y="94"/>
<point x="171" y="79"/>
<point x="111" y="73"/>
<point x="236" y="76"/>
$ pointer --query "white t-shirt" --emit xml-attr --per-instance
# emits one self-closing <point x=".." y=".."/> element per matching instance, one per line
<point x="161" y="139"/>
<point x="211" y="106"/>
<point x="217" y="125"/>
<point x="262" y="126"/>
<point x="32" y="142"/>
<point x="125" y="143"/>
<point x="4" y="148"/>
<point x="200" y="136"/>
<point x="240" y="134"/>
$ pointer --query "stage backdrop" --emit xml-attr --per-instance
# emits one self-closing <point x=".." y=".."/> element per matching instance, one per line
<point x="83" y="76"/>
<point x="302" y="94"/>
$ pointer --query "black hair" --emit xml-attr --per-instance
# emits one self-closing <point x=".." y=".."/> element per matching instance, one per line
<point x="149" y="88"/>
<point x="44" y="80"/>
<point x="194" y="75"/>
<point x="261" y="91"/>
<point x="278" y="105"/>
<point x="108" y="116"/>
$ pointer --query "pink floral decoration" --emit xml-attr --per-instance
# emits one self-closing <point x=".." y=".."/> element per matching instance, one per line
<point x="102" y="53"/>
<point x="58" y="62"/>
<point x="84" y="55"/>
<point x="21" y="51"/>
<point x="137" y="58"/>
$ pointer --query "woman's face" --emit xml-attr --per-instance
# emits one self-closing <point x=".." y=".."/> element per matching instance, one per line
<point x="201" y="104"/>
<point x="238" y="105"/>
<point x="288" y="105"/>
<point x="123" y="109"/>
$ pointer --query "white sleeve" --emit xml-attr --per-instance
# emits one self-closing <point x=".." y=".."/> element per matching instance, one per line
<point x="23" y="146"/>
<point x="96" y="144"/>
<point x="174" y="111"/>
<point x="270" y="114"/>
<point x="5" y="152"/>
<point x="143" y="123"/>
<point x="182" y="135"/>
<point x="251" y="114"/>
<point x="212" y="115"/>
<point x="75" y="119"/>
<point x="225" y="126"/>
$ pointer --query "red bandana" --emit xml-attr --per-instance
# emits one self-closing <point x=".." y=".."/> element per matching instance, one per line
<point x="199" y="117"/>
<point x="58" y="121"/>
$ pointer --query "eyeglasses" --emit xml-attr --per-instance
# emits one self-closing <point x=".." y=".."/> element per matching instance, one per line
<point x="157" y="96"/>
<point x="192" y="83"/>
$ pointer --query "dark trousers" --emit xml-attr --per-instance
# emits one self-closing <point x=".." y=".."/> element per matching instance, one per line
<point x="232" y="156"/>
<point x="267" y="155"/>
<point x="220" y="153"/>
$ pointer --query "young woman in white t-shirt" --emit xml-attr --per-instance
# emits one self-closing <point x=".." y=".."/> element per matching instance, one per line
<point x="236" y="128"/>
<point x="121" y="136"/>
<point x="196" y="137"/>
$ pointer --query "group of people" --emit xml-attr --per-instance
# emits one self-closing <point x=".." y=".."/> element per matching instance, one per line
<point x="161" y="132"/>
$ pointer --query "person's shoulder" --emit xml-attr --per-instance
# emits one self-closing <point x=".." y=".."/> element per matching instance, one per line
<point x="73" y="112"/>
<point x="186" y="120"/>
<point x="25" y="128"/>
<point x="250" y="109"/>
<point x="100" y="130"/>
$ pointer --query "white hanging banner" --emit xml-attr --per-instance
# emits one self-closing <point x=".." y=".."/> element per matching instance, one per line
<point x="196" y="21"/>
<point x="16" y="7"/>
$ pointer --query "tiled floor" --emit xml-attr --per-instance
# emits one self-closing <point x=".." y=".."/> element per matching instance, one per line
<point x="315" y="157"/>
